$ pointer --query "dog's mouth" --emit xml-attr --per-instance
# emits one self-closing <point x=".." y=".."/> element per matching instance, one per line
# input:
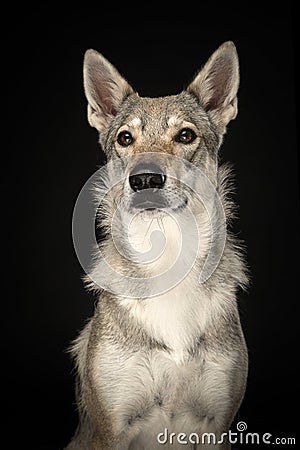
<point x="149" y="199"/>
<point x="153" y="200"/>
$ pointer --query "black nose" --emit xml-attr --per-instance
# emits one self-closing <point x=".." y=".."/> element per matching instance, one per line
<point x="140" y="181"/>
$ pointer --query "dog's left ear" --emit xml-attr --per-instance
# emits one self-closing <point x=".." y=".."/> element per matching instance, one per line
<point x="217" y="83"/>
<point x="104" y="87"/>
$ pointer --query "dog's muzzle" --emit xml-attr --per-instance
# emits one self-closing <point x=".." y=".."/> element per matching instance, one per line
<point x="146" y="181"/>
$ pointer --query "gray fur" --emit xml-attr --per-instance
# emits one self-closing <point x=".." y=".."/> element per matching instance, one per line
<point x="132" y="381"/>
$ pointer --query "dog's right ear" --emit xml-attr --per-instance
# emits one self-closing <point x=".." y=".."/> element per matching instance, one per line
<point x="104" y="87"/>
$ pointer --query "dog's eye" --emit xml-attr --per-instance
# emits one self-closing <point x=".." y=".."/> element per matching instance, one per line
<point x="185" y="136"/>
<point x="125" y="138"/>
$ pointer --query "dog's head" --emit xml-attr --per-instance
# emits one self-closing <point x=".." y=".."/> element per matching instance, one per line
<point x="189" y="125"/>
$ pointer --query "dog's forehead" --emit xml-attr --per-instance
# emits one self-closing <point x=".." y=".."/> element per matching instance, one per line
<point x="162" y="112"/>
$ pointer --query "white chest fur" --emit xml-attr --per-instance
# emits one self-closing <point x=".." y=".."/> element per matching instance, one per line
<point x="175" y="318"/>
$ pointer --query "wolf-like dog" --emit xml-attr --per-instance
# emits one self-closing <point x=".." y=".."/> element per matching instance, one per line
<point x="163" y="361"/>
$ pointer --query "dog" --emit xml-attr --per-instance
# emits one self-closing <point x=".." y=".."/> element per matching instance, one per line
<point x="163" y="361"/>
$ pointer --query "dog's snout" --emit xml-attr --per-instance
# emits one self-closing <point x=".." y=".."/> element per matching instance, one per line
<point x="146" y="180"/>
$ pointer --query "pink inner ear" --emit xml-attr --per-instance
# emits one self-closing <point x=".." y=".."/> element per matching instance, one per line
<point x="102" y="87"/>
<point x="220" y="82"/>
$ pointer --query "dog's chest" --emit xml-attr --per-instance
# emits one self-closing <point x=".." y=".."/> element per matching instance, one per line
<point x="179" y="388"/>
<point x="152" y="390"/>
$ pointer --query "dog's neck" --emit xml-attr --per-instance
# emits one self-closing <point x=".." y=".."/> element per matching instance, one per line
<point x="183" y="310"/>
<point x="158" y="243"/>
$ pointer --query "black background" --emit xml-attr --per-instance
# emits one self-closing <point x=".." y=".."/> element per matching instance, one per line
<point x="51" y="151"/>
